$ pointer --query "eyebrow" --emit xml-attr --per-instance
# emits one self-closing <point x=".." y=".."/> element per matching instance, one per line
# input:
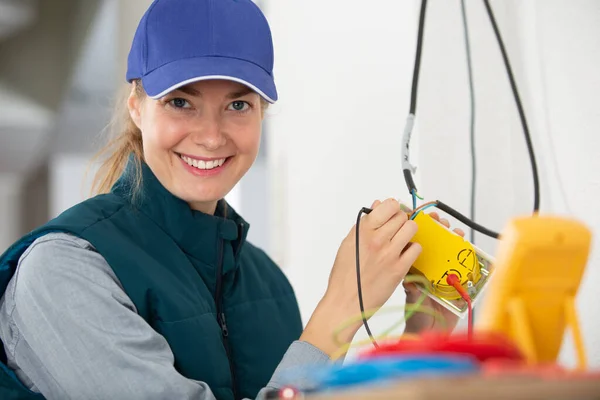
<point x="233" y="95"/>
<point x="240" y="93"/>
<point x="190" y="90"/>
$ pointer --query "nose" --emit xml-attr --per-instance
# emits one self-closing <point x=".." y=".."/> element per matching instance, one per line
<point x="208" y="131"/>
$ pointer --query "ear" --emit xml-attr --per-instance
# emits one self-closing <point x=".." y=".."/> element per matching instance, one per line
<point x="134" y="104"/>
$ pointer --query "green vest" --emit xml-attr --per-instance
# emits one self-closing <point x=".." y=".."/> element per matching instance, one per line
<point x="226" y="310"/>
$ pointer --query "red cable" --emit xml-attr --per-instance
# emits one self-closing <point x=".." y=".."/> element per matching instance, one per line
<point x="454" y="281"/>
<point x="484" y="347"/>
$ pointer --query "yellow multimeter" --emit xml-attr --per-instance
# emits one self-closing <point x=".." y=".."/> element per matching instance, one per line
<point x="445" y="252"/>
<point x="540" y="264"/>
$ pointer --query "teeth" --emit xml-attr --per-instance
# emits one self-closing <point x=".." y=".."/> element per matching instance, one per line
<point x="203" y="164"/>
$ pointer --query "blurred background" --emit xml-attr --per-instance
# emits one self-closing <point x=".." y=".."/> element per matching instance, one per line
<point x="332" y="143"/>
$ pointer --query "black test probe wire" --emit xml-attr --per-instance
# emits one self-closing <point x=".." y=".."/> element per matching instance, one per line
<point x="407" y="168"/>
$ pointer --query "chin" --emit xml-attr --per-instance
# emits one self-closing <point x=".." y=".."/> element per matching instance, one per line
<point x="203" y="197"/>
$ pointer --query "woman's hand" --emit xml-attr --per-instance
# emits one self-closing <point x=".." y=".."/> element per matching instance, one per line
<point x="386" y="255"/>
<point x="419" y="322"/>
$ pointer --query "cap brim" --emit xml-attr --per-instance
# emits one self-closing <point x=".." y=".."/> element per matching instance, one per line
<point x="171" y="76"/>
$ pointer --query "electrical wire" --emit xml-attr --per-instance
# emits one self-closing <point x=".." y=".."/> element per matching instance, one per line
<point x="421" y="208"/>
<point x="364" y="210"/>
<point x="385" y="337"/>
<point x="406" y="166"/>
<point x="417" y="67"/>
<point x="363" y="313"/>
<point x="441" y="206"/>
<point x="472" y="117"/>
<point x="513" y="86"/>
<point x="471" y="224"/>
<point x="454" y="281"/>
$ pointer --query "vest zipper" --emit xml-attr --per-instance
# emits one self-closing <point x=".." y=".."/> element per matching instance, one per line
<point x="221" y="317"/>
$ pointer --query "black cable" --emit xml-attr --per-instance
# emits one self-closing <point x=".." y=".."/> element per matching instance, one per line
<point x="513" y="85"/>
<point x="407" y="173"/>
<point x="413" y="97"/>
<point x="415" y="82"/>
<point x="471" y="224"/>
<point x="360" y="297"/>
<point x="472" y="121"/>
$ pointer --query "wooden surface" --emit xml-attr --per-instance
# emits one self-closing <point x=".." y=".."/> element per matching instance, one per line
<point x="475" y="387"/>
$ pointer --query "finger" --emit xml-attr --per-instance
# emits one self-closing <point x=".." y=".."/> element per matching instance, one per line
<point x="383" y="213"/>
<point x="406" y="247"/>
<point x="434" y="215"/>
<point x="384" y="234"/>
<point x="403" y="237"/>
<point x="459" y="232"/>
<point x="412" y="292"/>
<point x="375" y="204"/>
<point x="445" y="222"/>
<point x="408" y="258"/>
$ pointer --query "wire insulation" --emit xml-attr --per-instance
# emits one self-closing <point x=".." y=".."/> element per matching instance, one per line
<point x="421" y="208"/>
<point x="472" y="116"/>
<point x="417" y="68"/>
<point x="450" y="211"/>
<point x="407" y="169"/>
<point x="513" y="85"/>
<point x="360" y="297"/>
<point x="454" y="281"/>
<point x="408" y="310"/>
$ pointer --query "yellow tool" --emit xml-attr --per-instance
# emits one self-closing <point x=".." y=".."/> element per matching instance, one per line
<point x="539" y="268"/>
<point x="444" y="252"/>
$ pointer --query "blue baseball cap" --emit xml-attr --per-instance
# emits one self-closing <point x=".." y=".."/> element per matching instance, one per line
<point x="178" y="42"/>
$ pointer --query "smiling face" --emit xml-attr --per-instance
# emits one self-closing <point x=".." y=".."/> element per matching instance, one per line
<point x="200" y="140"/>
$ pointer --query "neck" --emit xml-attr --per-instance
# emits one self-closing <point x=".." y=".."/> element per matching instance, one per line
<point x="204" y="207"/>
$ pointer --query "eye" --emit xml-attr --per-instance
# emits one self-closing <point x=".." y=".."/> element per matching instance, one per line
<point x="239" y="106"/>
<point x="179" y="103"/>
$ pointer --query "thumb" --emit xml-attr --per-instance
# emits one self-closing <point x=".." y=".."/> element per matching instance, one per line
<point x="409" y="287"/>
<point x="412" y="292"/>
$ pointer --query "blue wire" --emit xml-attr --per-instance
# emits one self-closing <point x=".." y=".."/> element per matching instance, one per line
<point x="380" y="370"/>
<point x="424" y="208"/>
<point x="414" y="198"/>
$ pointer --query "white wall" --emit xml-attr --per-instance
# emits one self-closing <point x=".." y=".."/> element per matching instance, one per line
<point x="564" y="95"/>
<point x="344" y="86"/>
<point x="335" y="135"/>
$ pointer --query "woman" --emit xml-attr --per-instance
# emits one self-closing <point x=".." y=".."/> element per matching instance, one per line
<point x="150" y="290"/>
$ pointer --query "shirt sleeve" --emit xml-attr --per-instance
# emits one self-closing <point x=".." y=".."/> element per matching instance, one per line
<point x="71" y="332"/>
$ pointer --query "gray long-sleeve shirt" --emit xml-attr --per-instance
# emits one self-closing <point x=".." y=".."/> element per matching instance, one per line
<point x="71" y="332"/>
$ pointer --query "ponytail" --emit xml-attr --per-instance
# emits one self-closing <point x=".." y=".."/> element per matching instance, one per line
<point x="115" y="154"/>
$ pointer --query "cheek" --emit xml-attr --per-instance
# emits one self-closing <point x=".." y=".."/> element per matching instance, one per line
<point x="160" y="132"/>
<point x="247" y="138"/>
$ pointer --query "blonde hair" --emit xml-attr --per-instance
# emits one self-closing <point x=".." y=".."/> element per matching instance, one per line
<point x="125" y="140"/>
